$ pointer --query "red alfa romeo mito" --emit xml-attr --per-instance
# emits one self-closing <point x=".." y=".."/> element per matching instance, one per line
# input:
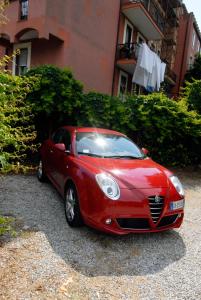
<point x="109" y="183"/>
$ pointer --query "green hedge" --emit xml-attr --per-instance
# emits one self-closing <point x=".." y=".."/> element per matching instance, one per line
<point x="167" y="128"/>
<point x="17" y="133"/>
<point x="170" y="130"/>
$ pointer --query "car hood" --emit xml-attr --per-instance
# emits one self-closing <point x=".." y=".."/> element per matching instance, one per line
<point x="131" y="174"/>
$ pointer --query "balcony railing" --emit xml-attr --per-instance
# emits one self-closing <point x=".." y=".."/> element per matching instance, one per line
<point x="153" y="11"/>
<point x="128" y="51"/>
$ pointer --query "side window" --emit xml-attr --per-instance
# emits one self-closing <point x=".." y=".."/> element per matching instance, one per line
<point x="57" y="136"/>
<point x="62" y="136"/>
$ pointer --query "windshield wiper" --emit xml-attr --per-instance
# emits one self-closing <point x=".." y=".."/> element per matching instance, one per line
<point x="90" y="154"/>
<point x="124" y="156"/>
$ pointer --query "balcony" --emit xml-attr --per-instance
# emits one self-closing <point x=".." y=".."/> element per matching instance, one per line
<point x="126" y="59"/>
<point x="145" y="15"/>
<point x="28" y="19"/>
<point x="127" y="56"/>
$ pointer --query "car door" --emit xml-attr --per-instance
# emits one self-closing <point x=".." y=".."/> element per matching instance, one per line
<point x="56" y="138"/>
<point x="62" y="160"/>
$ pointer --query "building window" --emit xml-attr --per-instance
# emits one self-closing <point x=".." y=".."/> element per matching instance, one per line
<point x="123" y="84"/>
<point x="190" y="64"/>
<point x="140" y="39"/>
<point x="24" y="9"/>
<point x="193" y="40"/>
<point x="128" y="33"/>
<point x="21" y="63"/>
<point x="198" y="47"/>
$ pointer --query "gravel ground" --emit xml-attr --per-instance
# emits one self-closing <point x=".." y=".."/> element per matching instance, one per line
<point x="49" y="260"/>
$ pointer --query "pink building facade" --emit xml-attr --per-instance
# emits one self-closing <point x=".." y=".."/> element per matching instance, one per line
<point x="99" y="40"/>
<point x="79" y="34"/>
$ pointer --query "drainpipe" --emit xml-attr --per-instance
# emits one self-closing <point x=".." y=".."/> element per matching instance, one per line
<point x="115" y="57"/>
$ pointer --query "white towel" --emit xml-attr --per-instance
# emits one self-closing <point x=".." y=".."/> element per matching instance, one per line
<point x="147" y="60"/>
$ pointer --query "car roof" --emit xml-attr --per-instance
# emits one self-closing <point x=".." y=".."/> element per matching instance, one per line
<point x="92" y="129"/>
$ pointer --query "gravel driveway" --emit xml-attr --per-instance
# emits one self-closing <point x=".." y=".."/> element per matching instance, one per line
<point x="49" y="260"/>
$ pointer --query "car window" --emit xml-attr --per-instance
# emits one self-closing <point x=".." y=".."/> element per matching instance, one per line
<point x="57" y="136"/>
<point x="62" y="136"/>
<point x="106" y="145"/>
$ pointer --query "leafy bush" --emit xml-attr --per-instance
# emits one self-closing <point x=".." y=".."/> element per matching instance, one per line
<point x="16" y="122"/>
<point x="172" y="133"/>
<point x="6" y="225"/>
<point x="192" y="93"/>
<point x="99" y="110"/>
<point x="166" y="127"/>
<point x="56" y="99"/>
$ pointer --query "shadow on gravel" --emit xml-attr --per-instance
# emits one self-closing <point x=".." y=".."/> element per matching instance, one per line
<point x="89" y="252"/>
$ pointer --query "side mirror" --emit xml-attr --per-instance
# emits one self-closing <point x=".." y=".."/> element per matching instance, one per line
<point x="60" y="147"/>
<point x="145" y="151"/>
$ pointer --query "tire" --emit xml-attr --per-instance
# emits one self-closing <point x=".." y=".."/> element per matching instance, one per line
<point x="40" y="172"/>
<point x="72" y="207"/>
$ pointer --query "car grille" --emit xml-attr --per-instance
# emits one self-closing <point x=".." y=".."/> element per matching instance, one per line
<point x="133" y="223"/>
<point x="156" y="206"/>
<point x="168" y="220"/>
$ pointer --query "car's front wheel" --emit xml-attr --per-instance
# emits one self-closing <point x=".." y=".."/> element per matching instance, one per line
<point x="72" y="207"/>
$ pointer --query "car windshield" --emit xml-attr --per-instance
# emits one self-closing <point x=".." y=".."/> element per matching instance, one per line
<point x="106" y="146"/>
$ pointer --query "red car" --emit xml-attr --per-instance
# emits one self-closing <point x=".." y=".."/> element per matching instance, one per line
<point x="109" y="183"/>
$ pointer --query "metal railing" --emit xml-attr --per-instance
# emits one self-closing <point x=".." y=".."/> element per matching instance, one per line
<point x="128" y="51"/>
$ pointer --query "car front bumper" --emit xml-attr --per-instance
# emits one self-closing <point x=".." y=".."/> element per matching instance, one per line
<point x="135" y="212"/>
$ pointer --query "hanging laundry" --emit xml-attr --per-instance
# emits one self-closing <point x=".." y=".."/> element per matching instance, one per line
<point x="141" y="74"/>
<point x="149" y="71"/>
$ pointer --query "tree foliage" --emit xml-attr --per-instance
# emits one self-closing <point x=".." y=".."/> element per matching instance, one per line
<point x="192" y="94"/>
<point x="57" y="98"/>
<point x="170" y="131"/>
<point x="16" y="122"/>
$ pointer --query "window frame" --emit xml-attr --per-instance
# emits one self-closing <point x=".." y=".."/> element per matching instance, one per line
<point x="122" y="73"/>
<point x="127" y="23"/>
<point x="21" y="16"/>
<point x="22" y="46"/>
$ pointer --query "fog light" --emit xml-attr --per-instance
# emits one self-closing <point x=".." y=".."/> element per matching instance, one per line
<point x="108" y="221"/>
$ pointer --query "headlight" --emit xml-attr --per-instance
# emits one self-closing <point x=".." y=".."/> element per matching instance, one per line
<point x="177" y="184"/>
<point x="108" y="185"/>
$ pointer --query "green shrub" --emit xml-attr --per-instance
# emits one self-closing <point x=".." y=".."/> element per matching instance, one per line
<point x="99" y="110"/>
<point x="56" y="99"/>
<point x="16" y="122"/>
<point x="165" y="127"/>
<point x="6" y="225"/>
<point x="192" y="94"/>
